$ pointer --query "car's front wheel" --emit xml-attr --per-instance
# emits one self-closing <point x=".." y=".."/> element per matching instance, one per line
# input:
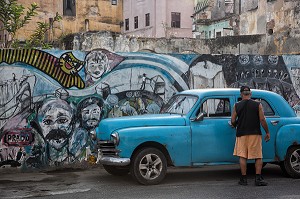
<point x="292" y="162"/>
<point x="149" y="166"/>
<point x="116" y="170"/>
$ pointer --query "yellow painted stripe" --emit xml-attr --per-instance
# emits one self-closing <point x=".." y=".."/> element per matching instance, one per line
<point x="56" y="71"/>
<point x="33" y="57"/>
<point x="43" y="62"/>
<point x="63" y="80"/>
<point x="37" y="58"/>
<point x="18" y="55"/>
<point x="81" y="85"/>
<point x="72" y="80"/>
<point x="50" y="63"/>
<point x="59" y="74"/>
<point x="8" y="55"/>
<point x="24" y="53"/>
<point x="44" y="66"/>
<point x="28" y="55"/>
<point x="13" y="56"/>
<point x="5" y="54"/>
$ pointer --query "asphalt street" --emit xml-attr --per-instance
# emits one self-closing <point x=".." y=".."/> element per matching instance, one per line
<point x="207" y="182"/>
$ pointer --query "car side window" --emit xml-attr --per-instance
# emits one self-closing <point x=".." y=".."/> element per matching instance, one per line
<point x="216" y="107"/>
<point x="266" y="106"/>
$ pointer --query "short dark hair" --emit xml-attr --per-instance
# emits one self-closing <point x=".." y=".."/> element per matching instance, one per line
<point x="245" y="90"/>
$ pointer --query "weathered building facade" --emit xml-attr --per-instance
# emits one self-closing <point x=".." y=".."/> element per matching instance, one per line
<point x="158" y="18"/>
<point x="77" y="16"/>
<point x="214" y="18"/>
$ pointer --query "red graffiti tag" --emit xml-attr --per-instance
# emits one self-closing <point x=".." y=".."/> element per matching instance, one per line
<point x="19" y="137"/>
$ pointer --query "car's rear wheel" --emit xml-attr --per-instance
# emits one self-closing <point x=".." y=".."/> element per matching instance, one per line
<point x="282" y="167"/>
<point x="116" y="170"/>
<point x="149" y="166"/>
<point x="292" y="162"/>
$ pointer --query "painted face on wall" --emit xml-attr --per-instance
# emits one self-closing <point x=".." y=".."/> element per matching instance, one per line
<point x="91" y="116"/>
<point x="55" y="118"/>
<point x="90" y="112"/>
<point x="97" y="64"/>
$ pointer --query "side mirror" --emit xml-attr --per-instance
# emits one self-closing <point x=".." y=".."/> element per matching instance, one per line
<point x="199" y="117"/>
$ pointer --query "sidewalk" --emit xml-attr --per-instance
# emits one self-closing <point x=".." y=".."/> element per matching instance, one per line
<point x="8" y="173"/>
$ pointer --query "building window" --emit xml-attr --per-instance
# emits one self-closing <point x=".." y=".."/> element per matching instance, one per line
<point x="126" y="24"/>
<point x="87" y="25"/>
<point x="69" y="7"/>
<point x="136" y="22"/>
<point x="50" y="23"/>
<point x="218" y="34"/>
<point x="147" y="18"/>
<point x="175" y="19"/>
<point x="114" y="2"/>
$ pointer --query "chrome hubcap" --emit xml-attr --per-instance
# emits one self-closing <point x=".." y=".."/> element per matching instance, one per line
<point x="150" y="166"/>
<point x="295" y="160"/>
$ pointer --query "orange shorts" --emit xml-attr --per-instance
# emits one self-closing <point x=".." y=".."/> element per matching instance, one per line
<point x="248" y="146"/>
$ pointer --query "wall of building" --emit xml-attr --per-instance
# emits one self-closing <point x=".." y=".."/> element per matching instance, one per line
<point x="160" y="18"/>
<point x="101" y="15"/>
<point x="53" y="101"/>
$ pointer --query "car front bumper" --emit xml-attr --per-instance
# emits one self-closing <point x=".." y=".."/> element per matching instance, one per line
<point x="114" y="161"/>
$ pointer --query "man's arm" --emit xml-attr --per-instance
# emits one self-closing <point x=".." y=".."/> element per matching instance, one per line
<point x="233" y="117"/>
<point x="264" y="123"/>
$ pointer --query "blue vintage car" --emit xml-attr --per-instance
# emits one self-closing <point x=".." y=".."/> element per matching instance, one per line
<point x="193" y="130"/>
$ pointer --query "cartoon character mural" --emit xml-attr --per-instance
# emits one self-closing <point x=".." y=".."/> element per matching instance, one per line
<point x="52" y="101"/>
<point x="98" y="62"/>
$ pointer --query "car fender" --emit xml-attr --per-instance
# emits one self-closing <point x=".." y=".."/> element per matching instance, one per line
<point x="287" y="136"/>
<point x="176" y="140"/>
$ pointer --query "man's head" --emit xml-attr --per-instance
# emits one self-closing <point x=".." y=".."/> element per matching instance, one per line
<point x="90" y="112"/>
<point x="55" y="119"/>
<point x="245" y="91"/>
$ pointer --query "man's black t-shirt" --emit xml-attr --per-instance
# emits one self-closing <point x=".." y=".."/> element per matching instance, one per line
<point x="248" y="122"/>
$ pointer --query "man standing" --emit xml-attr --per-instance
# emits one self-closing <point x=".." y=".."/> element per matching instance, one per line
<point x="247" y="116"/>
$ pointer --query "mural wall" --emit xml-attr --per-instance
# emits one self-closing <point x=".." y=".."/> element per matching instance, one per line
<point x="51" y="101"/>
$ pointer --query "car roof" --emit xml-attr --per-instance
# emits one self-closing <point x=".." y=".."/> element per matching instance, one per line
<point x="284" y="109"/>
<point x="224" y="91"/>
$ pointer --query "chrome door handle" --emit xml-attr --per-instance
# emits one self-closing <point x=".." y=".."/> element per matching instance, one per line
<point x="274" y="122"/>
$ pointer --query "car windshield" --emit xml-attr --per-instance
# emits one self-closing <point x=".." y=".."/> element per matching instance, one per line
<point x="179" y="104"/>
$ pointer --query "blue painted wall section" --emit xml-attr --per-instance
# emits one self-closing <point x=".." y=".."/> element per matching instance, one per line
<point x="52" y="101"/>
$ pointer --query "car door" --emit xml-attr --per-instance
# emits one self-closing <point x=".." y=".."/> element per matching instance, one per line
<point x="274" y="122"/>
<point x="213" y="139"/>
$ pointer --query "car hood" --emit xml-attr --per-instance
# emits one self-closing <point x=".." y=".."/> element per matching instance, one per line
<point x="109" y="125"/>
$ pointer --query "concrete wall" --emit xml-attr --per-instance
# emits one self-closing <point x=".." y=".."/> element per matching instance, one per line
<point x="51" y="102"/>
<point x="255" y="44"/>
<point x="276" y="44"/>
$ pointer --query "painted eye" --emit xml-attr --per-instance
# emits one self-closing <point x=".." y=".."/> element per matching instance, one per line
<point x="62" y="120"/>
<point x="47" y="122"/>
<point x="96" y="111"/>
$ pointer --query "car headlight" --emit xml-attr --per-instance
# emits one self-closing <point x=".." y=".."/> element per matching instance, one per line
<point x="115" y="138"/>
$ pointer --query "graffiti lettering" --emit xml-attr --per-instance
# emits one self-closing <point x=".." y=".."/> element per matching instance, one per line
<point x="21" y="137"/>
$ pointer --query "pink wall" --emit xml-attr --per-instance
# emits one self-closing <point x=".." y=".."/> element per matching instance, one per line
<point x="160" y="13"/>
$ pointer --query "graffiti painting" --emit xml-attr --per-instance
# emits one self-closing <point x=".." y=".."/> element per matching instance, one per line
<point x="52" y="102"/>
